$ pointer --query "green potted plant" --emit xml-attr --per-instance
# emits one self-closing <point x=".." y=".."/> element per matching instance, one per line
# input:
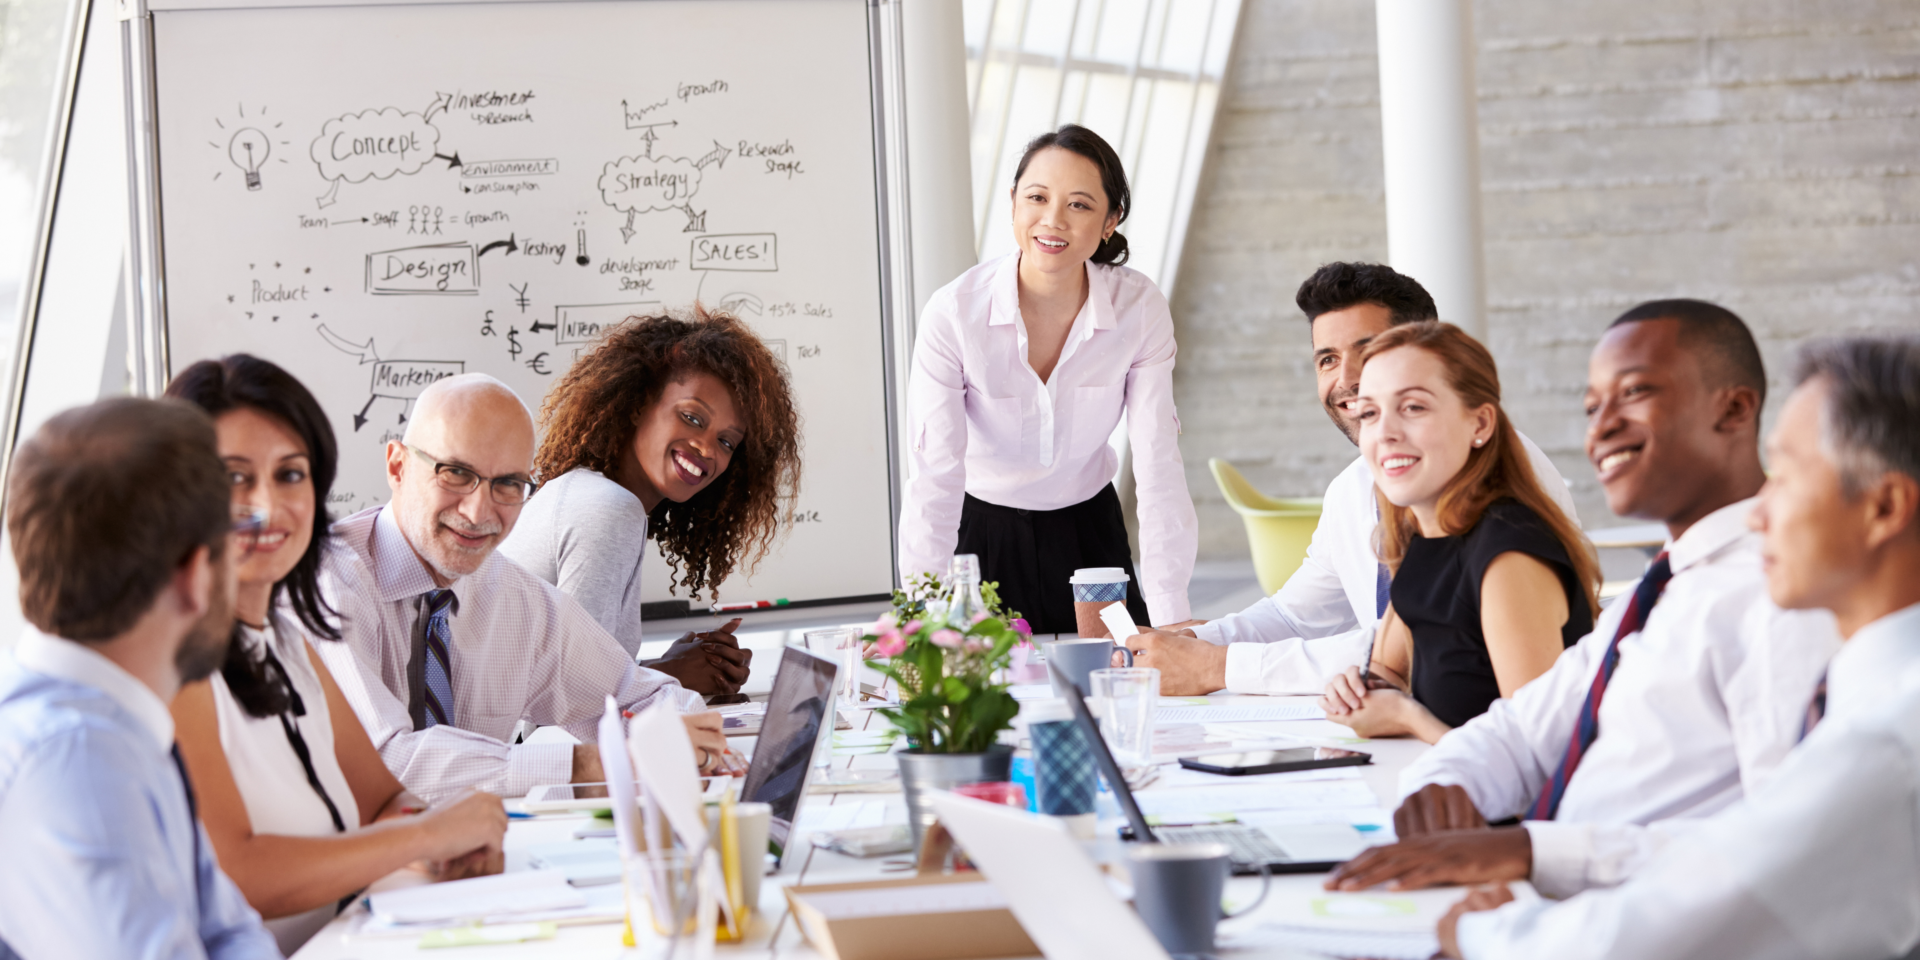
<point x="945" y="645"/>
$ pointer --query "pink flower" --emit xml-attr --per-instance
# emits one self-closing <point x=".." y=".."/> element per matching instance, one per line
<point x="1022" y="627"/>
<point x="977" y="645"/>
<point x="979" y="616"/>
<point x="912" y="627"/>
<point x="890" y="644"/>
<point x="950" y="639"/>
<point x="885" y="623"/>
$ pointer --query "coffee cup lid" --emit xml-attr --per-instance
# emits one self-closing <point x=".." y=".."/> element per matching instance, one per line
<point x="1100" y="575"/>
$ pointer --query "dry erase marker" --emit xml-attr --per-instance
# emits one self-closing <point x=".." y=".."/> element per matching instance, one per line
<point x="752" y="605"/>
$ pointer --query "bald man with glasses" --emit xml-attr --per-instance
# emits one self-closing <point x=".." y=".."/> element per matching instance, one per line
<point x="447" y="646"/>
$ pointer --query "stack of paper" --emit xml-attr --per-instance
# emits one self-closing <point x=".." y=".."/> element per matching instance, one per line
<point x="1203" y="712"/>
<point x="521" y="897"/>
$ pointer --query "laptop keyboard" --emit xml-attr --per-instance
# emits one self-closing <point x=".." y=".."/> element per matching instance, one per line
<point x="1248" y="847"/>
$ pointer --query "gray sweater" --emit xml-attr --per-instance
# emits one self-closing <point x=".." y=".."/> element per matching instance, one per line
<point x="586" y="535"/>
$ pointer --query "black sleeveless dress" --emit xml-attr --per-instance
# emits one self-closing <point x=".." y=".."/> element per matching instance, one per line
<point x="1437" y="593"/>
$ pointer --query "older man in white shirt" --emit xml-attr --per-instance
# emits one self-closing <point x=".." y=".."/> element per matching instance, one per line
<point x="447" y="645"/>
<point x="1687" y="693"/>
<point x="1823" y="860"/>
<point x="1322" y="620"/>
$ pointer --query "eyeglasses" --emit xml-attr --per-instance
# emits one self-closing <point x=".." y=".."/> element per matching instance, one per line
<point x="506" y="491"/>
<point x="247" y="524"/>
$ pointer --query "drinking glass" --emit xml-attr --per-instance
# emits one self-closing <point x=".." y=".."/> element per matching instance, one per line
<point x="1125" y="699"/>
<point x="842" y="646"/>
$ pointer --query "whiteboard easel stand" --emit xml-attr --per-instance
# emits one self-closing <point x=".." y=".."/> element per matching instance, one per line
<point x="146" y="260"/>
<point x="896" y="242"/>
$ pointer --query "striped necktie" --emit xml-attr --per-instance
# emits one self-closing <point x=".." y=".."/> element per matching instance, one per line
<point x="1645" y="595"/>
<point x="1817" y="709"/>
<point x="439" y="663"/>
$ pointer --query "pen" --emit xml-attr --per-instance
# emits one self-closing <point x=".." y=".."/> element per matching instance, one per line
<point x="749" y="605"/>
<point x="517" y="815"/>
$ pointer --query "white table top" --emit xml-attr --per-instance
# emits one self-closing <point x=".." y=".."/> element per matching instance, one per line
<point x="774" y="934"/>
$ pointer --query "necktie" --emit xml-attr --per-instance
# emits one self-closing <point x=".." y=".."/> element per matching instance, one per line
<point x="438" y="673"/>
<point x="1816" y="710"/>
<point x="1645" y="595"/>
<point x="193" y="815"/>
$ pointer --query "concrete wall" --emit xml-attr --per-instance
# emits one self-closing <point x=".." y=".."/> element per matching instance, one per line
<point x="1760" y="154"/>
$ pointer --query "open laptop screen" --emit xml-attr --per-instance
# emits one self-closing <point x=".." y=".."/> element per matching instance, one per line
<point x="783" y="754"/>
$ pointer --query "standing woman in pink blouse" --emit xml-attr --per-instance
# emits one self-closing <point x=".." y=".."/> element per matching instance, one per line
<point x="1022" y="368"/>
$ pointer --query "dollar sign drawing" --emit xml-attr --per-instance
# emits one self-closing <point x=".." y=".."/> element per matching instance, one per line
<point x="513" y="343"/>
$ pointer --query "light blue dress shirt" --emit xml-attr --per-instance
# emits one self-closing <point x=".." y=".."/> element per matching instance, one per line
<point x="103" y="859"/>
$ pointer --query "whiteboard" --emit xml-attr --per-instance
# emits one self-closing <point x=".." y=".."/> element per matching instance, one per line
<point x="377" y="197"/>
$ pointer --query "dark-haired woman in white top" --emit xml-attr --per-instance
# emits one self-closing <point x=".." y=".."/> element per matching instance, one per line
<point x="1021" y="371"/>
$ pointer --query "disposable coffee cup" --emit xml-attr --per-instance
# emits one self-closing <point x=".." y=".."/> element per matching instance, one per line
<point x="1093" y="588"/>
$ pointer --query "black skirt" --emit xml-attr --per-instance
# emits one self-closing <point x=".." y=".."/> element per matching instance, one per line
<point x="1032" y="554"/>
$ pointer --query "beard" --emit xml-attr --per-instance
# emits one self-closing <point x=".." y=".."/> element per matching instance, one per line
<point x="204" y="648"/>
<point x="450" y="559"/>
<point x="1349" y="426"/>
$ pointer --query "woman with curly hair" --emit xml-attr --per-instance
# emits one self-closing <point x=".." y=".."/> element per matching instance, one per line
<point x="677" y="427"/>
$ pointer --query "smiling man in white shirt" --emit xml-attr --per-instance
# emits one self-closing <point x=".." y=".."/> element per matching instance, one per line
<point x="447" y="645"/>
<point x="1824" y="859"/>
<point x="1700" y="683"/>
<point x="1322" y="620"/>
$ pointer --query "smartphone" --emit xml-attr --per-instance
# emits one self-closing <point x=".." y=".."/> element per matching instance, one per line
<point x="1276" y="761"/>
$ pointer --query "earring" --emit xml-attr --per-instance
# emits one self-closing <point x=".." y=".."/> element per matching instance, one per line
<point x="1478" y="441"/>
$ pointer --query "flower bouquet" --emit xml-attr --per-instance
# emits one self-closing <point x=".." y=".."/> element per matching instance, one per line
<point x="946" y="665"/>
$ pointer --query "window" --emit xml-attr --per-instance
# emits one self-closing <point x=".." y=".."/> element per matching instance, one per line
<point x="35" y="56"/>
<point x="1144" y="74"/>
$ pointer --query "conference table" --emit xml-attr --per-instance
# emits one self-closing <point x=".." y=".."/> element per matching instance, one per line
<point x="773" y="933"/>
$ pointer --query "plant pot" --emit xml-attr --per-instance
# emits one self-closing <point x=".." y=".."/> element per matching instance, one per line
<point x="923" y="773"/>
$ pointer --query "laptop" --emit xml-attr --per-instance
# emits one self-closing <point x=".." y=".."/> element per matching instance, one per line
<point x="793" y="727"/>
<point x="1294" y="848"/>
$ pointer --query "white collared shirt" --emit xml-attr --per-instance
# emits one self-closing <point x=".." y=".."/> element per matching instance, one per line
<point x="521" y="650"/>
<point x="984" y="423"/>
<point x="57" y="657"/>
<point x="1706" y="701"/>
<point x="1322" y="620"/>
<point x="1823" y="860"/>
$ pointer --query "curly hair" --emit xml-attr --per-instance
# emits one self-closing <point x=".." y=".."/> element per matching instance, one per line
<point x="590" y="416"/>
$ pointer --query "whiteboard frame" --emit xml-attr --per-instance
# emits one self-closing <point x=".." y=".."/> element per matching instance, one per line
<point x="146" y="252"/>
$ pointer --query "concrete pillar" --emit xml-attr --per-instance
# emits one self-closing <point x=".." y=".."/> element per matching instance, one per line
<point x="1430" y="136"/>
<point x="939" y="154"/>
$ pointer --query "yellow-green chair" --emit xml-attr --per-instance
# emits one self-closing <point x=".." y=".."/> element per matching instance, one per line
<point x="1277" y="530"/>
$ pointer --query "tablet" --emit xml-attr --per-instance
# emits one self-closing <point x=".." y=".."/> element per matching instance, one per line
<point x="1276" y="761"/>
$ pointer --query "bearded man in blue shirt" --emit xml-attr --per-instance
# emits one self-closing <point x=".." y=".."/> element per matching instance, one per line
<point x="125" y="541"/>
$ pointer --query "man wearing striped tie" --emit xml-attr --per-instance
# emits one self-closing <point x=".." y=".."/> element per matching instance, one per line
<point x="447" y="645"/>
<point x="1823" y="859"/>
<point x="1689" y="690"/>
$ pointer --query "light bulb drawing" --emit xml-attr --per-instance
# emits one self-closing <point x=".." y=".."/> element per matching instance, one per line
<point x="248" y="151"/>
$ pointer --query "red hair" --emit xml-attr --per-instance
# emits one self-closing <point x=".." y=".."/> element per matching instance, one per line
<point x="1498" y="469"/>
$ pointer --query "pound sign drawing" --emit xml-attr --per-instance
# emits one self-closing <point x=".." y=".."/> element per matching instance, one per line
<point x="486" y="326"/>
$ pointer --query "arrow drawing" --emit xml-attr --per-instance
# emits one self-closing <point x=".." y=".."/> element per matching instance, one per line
<point x="508" y="243"/>
<point x="734" y="303"/>
<point x="360" y="419"/>
<point x="717" y="156"/>
<point x="440" y="102"/>
<point x="364" y="351"/>
<point x="452" y="161"/>
<point x="538" y="326"/>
